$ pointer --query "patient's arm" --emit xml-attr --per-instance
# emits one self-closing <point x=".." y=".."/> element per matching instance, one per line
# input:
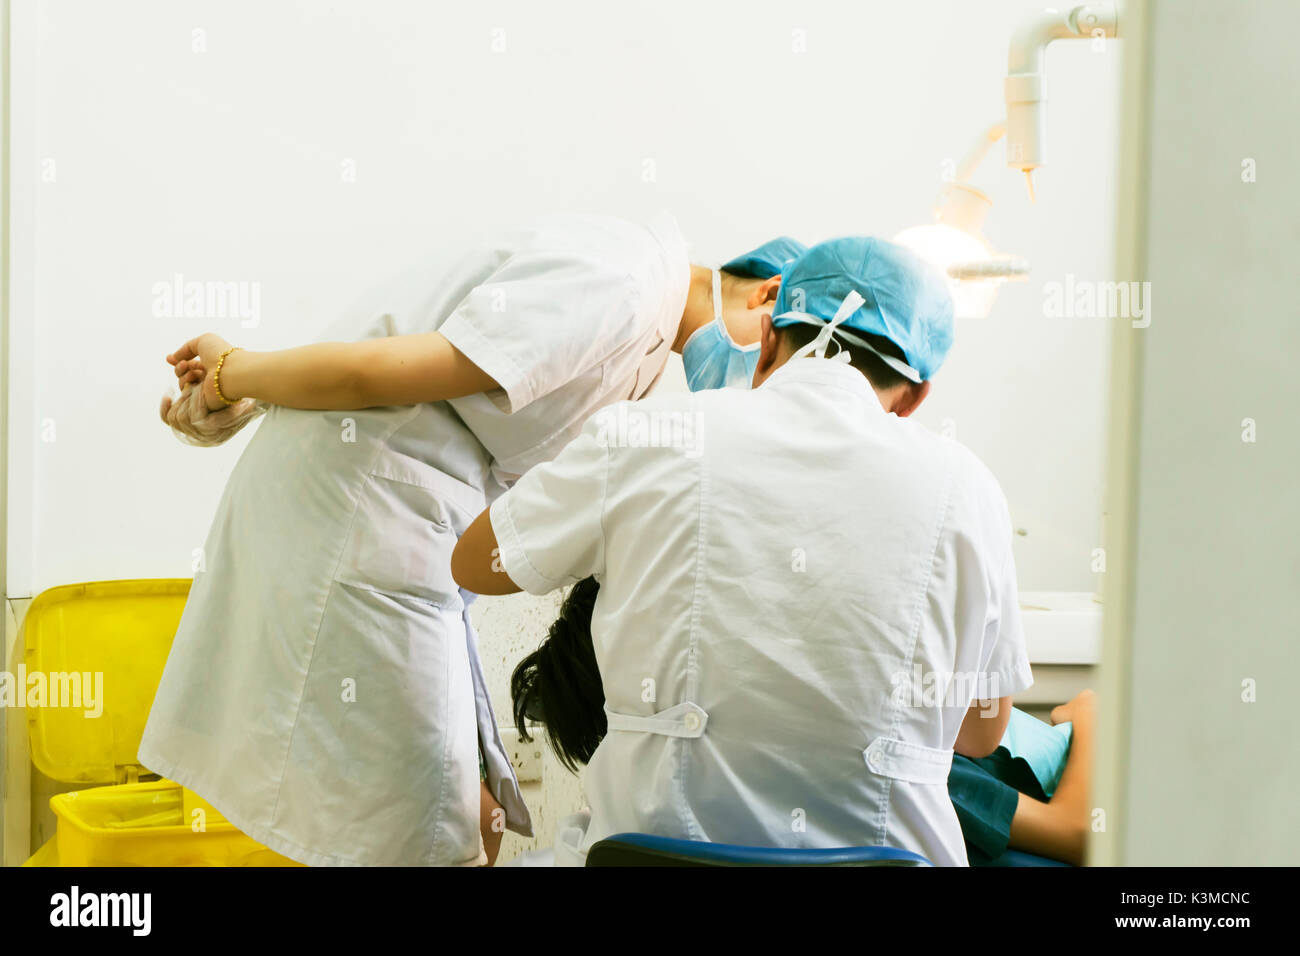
<point x="983" y="727"/>
<point x="1059" y="829"/>
<point x="393" y="370"/>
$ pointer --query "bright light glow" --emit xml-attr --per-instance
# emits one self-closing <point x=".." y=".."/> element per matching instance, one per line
<point x="944" y="246"/>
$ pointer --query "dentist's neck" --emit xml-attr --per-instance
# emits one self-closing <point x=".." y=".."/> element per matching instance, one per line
<point x="699" y="306"/>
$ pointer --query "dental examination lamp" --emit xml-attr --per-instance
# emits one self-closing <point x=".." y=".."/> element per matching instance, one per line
<point x="955" y="241"/>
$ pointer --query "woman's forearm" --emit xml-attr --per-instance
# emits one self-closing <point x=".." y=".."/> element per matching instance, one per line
<point x="399" y="370"/>
<point x="311" y="376"/>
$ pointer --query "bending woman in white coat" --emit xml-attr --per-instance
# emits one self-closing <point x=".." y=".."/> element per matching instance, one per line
<point x="324" y="691"/>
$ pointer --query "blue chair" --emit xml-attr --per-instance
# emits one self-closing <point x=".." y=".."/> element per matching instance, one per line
<point x="1020" y="858"/>
<point x="642" y="849"/>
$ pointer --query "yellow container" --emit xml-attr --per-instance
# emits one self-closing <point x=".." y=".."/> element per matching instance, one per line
<point x="100" y="650"/>
<point x="145" y="824"/>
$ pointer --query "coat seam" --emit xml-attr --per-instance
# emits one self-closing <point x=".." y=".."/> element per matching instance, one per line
<point x="692" y="659"/>
<point x="913" y="640"/>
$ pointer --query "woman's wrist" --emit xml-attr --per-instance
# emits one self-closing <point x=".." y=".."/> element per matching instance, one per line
<point x="235" y="380"/>
<point x="217" y="369"/>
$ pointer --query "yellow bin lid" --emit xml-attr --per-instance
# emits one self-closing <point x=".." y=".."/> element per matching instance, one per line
<point x="98" y="648"/>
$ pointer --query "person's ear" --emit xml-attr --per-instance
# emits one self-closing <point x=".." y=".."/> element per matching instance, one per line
<point x="764" y="293"/>
<point x="769" y="353"/>
<point x="909" y="397"/>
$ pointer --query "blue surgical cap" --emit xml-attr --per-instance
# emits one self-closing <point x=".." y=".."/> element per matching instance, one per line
<point x="767" y="260"/>
<point x="905" y="300"/>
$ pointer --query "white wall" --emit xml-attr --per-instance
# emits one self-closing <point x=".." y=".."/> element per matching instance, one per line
<point x="136" y="157"/>
<point x="226" y="165"/>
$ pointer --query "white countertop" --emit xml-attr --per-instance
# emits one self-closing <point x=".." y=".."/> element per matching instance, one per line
<point x="1061" y="627"/>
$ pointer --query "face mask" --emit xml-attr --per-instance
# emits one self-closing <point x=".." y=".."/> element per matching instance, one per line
<point x="712" y="359"/>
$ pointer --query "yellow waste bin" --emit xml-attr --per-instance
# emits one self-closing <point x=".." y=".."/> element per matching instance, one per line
<point x="96" y="653"/>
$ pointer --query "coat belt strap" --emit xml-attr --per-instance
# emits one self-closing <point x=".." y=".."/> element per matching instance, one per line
<point x="683" y="720"/>
<point x="890" y="757"/>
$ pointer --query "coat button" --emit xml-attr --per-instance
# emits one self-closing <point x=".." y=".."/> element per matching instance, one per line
<point x="873" y="760"/>
<point x="691" y="721"/>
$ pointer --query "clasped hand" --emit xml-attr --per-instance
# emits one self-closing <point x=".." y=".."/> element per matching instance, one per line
<point x="199" y="416"/>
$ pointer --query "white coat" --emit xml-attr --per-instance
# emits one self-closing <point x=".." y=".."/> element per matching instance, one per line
<point x="324" y="690"/>
<point x="800" y="596"/>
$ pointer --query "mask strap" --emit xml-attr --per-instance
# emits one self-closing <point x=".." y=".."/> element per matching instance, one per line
<point x="852" y="302"/>
<point x="847" y="308"/>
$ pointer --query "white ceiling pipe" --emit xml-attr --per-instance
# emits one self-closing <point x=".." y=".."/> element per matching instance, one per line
<point x="1026" y="84"/>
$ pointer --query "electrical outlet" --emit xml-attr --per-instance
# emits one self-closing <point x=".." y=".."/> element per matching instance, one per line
<point x="526" y="757"/>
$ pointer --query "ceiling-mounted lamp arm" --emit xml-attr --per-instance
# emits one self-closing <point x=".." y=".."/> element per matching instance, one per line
<point x="978" y="150"/>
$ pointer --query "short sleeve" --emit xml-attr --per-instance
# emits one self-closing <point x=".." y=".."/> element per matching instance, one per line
<point x="542" y="319"/>
<point x="1007" y="663"/>
<point x="548" y="526"/>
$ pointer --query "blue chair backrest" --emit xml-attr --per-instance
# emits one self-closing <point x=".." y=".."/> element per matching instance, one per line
<point x="642" y="849"/>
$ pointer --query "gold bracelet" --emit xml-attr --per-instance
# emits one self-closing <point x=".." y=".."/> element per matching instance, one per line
<point x="216" y="374"/>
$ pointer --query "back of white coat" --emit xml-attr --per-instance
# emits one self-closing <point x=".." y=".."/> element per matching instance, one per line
<point x="776" y="597"/>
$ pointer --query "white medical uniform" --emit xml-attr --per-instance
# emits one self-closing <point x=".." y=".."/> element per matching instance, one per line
<point x="772" y="583"/>
<point x="324" y="691"/>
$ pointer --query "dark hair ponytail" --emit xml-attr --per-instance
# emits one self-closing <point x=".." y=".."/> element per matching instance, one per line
<point x="559" y="683"/>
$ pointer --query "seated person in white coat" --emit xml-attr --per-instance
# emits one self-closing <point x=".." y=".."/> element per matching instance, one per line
<point x="807" y="602"/>
<point x="1031" y="795"/>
